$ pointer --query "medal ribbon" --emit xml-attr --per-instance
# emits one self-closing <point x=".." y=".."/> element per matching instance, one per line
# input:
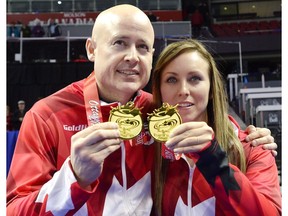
<point x="93" y="110"/>
<point x="92" y="102"/>
<point x="168" y="153"/>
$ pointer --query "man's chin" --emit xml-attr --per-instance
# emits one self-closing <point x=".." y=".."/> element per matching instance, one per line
<point x="129" y="88"/>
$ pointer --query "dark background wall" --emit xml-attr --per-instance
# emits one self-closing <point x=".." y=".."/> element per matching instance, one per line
<point x="30" y="81"/>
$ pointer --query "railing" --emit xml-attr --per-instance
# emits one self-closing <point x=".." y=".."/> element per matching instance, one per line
<point x="36" y="6"/>
<point x="163" y="30"/>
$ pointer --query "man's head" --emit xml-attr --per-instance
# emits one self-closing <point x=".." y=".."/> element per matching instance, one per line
<point x="21" y="105"/>
<point x="121" y="48"/>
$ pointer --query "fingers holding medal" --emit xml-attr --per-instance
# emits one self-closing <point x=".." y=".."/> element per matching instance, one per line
<point x="162" y="121"/>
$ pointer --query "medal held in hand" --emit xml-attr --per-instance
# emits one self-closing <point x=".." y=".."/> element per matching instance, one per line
<point x="162" y="121"/>
<point x="128" y="117"/>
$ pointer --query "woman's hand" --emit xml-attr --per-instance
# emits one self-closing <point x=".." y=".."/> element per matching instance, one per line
<point x="190" y="137"/>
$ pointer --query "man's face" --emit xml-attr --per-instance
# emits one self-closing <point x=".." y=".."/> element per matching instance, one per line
<point x="21" y="106"/>
<point x="123" y="57"/>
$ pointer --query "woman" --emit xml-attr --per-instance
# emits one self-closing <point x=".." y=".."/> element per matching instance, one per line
<point x="216" y="174"/>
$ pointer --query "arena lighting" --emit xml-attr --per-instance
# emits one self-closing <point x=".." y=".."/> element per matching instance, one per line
<point x="59" y="2"/>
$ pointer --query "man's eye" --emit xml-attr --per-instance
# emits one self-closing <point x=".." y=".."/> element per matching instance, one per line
<point x="119" y="42"/>
<point x="144" y="46"/>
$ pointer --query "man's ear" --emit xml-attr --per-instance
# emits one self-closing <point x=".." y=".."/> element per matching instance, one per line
<point x="90" y="47"/>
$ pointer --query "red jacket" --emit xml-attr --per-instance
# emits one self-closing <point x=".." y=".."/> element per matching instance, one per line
<point x="41" y="181"/>
<point x="215" y="187"/>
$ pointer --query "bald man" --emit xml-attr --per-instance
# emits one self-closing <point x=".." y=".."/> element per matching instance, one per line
<point x="69" y="160"/>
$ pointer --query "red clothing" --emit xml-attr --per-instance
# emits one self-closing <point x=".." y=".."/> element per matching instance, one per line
<point x="197" y="18"/>
<point x="9" y="125"/>
<point x="41" y="181"/>
<point x="214" y="187"/>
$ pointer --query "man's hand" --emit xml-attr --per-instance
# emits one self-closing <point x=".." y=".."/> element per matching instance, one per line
<point x="90" y="147"/>
<point x="261" y="136"/>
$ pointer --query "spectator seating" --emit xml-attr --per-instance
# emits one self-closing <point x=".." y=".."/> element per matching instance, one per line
<point x="246" y="28"/>
<point x="257" y="99"/>
<point x="243" y="92"/>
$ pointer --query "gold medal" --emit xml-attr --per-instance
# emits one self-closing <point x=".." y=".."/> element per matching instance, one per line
<point x="128" y="117"/>
<point x="162" y="121"/>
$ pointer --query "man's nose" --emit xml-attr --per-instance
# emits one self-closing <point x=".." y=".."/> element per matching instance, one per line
<point x="132" y="55"/>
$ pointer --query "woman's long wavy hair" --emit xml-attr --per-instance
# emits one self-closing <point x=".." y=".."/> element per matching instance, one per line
<point x="217" y="111"/>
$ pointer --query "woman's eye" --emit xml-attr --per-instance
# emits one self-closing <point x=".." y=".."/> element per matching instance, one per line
<point x="195" y="78"/>
<point x="171" y="80"/>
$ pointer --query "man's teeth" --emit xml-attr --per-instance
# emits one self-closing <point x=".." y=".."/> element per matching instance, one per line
<point x="128" y="72"/>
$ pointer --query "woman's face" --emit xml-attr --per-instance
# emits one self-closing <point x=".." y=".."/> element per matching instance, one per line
<point x="185" y="81"/>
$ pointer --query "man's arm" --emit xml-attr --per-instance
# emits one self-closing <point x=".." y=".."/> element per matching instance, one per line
<point x="34" y="183"/>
